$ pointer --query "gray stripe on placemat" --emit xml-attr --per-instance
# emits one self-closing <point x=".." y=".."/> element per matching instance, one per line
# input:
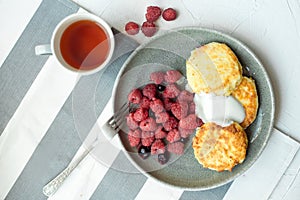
<point x="118" y="184"/>
<point x="58" y="146"/>
<point x="21" y="66"/>
<point x="53" y="153"/>
<point x="212" y="194"/>
<point x="62" y="140"/>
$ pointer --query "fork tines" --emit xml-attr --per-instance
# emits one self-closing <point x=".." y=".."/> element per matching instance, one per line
<point x="116" y="120"/>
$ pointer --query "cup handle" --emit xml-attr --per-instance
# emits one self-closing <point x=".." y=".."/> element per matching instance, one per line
<point x="44" y="49"/>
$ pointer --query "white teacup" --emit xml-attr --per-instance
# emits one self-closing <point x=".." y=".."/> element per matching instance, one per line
<point x="81" y="42"/>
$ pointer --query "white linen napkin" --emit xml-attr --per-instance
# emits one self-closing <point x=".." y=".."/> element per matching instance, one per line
<point x="257" y="183"/>
<point x="262" y="178"/>
<point x="289" y="184"/>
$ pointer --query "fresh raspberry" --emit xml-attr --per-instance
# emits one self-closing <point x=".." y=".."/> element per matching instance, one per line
<point x="192" y="108"/>
<point x="162" y="117"/>
<point x="149" y="29"/>
<point x="169" y="14"/>
<point x="185" y="132"/>
<point x="145" y="103"/>
<point x="147" y="138"/>
<point x="148" y="124"/>
<point x="180" y="109"/>
<point x="157" y="77"/>
<point x="157" y="106"/>
<point x="140" y="114"/>
<point x="131" y="123"/>
<point x="159" y="133"/>
<point x="135" y="96"/>
<point x="134" y="137"/>
<point x="185" y="96"/>
<point x="132" y="28"/>
<point x="149" y="91"/>
<point x="173" y="135"/>
<point x="172" y="76"/>
<point x="157" y="147"/>
<point x="170" y="124"/>
<point x="171" y="91"/>
<point x="167" y="103"/>
<point x="153" y="13"/>
<point x="176" y="147"/>
<point x="190" y="122"/>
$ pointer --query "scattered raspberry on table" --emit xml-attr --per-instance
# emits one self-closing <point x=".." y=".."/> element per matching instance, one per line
<point x="149" y="29"/>
<point x="132" y="28"/>
<point x="169" y="14"/>
<point x="152" y="15"/>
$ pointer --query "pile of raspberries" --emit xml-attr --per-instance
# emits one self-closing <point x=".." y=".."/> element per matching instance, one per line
<point x="152" y="15"/>
<point x="164" y="116"/>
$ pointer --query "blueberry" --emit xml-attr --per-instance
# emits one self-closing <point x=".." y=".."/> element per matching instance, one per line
<point x="161" y="88"/>
<point x="144" y="152"/>
<point x="163" y="158"/>
<point x="183" y="140"/>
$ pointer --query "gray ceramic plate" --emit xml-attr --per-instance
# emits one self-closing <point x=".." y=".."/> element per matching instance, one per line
<point x="170" y="50"/>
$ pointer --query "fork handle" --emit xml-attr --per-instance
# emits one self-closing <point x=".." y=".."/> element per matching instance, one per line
<point x="53" y="185"/>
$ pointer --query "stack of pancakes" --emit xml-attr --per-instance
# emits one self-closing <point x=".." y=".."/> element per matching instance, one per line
<point x="214" y="68"/>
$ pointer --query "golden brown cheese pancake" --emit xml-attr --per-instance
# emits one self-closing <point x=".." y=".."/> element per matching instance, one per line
<point x="246" y="94"/>
<point x="213" y="68"/>
<point x="220" y="148"/>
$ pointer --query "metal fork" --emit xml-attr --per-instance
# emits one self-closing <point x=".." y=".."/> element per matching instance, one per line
<point x="113" y="125"/>
<point x="116" y="120"/>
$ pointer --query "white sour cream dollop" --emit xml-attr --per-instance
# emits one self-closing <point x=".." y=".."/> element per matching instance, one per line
<point x="221" y="110"/>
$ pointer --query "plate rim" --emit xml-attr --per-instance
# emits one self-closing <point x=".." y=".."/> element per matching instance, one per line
<point x="270" y="89"/>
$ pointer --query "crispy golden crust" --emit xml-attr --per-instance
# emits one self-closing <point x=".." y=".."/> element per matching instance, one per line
<point x="220" y="148"/>
<point x="246" y="94"/>
<point x="213" y="68"/>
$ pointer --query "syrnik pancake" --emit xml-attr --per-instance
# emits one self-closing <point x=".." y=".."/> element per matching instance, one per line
<point x="213" y="68"/>
<point x="246" y="94"/>
<point x="220" y="148"/>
